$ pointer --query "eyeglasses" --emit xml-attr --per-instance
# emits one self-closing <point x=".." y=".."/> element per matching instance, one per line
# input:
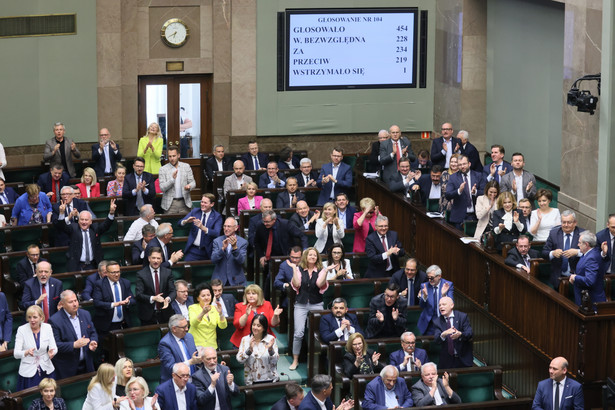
<point x="182" y="376"/>
<point x="390" y="296"/>
<point x="431" y="277"/>
<point x="408" y="343"/>
<point x="447" y="129"/>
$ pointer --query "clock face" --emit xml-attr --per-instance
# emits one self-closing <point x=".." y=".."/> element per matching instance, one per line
<point x="174" y="33"/>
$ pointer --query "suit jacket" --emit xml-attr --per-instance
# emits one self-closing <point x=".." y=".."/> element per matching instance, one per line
<point x="428" y="305"/>
<point x="67" y="359"/>
<point x="389" y="164"/>
<point x="556" y="241"/>
<point x="214" y="226"/>
<point x="130" y="200"/>
<point x="167" y="400"/>
<point x="285" y="236"/>
<point x="46" y="184"/>
<point x="255" y="222"/>
<point x="310" y="403"/>
<point x="11" y="195"/>
<point x="328" y="326"/>
<point x="207" y="400"/>
<point x="401" y="280"/>
<point x="604" y="236"/>
<point x="350" y="211"/>
<point x="437" y="157"/>
<point x="295" y="220"/>
<point x="322" y="233"/>
<point x="424" y="184"/>
<point x="61" y="238"/>
<point x="229" y="266"/>
<point x="395" y="182"/>
<point x="94" y="190"/>
<point x="24" y="340"/>
<point x="506" y="184"/>
<point x="425" y="169"/>
<point x="397" y="358"/>
<point x="264" y="181"/>
<point x="104" y="297"/>
<point x="344" y="182"/>
<point x="294" y="160"/>
<point x="514" y="258"/>
<point x="471" y="152"/>
<point x="572" y="396"/>
<point x="374" y="326"/>
<point x="90" y="284"/>
<point x="301" y="181"/>
<point x="6" y="320"/>
<point x="170" y="352"/>
<point x="175" y="305"/>
<point x="100" y="160"/>
<point x="376" y="267"/>
<point x="167" y="183"/>
<point x="145" y="289"/>
<point x="421" y="396"/>
<point x="243" y="203"/>
<point x="283" y="199"/>
<point x="374" y="398"/>
<point x="23" y="270"/>
<point x="229" y="303"/>
<point x="281" y="404"/>
<point x="590" y="276"/>
<point x="373" y="159"/>
<point x="263" y="159"/>
<point x="137" y="249"/>
<point x="230" y="182"/>
<point x="76" y="241"/>
<point x="507" y="235"/>
<point x="505" y="166"/>
<point x="463" y="344"/>
<point x="461" y="202"/>
<point x="211" y="166"/>
<point x="32" y="291"/>
<point x="53" y="159"/>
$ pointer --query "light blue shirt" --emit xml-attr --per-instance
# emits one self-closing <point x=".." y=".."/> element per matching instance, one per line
<point x="74" y="321"/>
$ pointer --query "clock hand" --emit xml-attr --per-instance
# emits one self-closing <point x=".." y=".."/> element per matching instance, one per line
<point x="174" y="33"/>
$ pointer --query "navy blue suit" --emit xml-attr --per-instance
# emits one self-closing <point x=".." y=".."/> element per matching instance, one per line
<point x="504" y="166"/>
<point x="397" y="357"/>
<point x="103" y="297"/>
<point x="176" y="308"/>
<point x="300" y="179"/>
<point x="229" y="266"/>
<point x="281" y="404"/>
<point x="572" y="396"/>
<point x="229" y="303"/>
<point x="329" y="324"/>
<point x="283" y="199"/>
<point x="350" y="211"/>
<point x="590" y="276"/>
<point x="310" y="403"/>
<point x="285" y="236"/>
<point x="61" y="238"/>
<point x="374" y="398"/>
<point x="376" y="267"/>
<point x="264" y="181"/>
<point x="255" y="221"/>
<point x="32" y="291"/>
<point x="90" y="284"/>
<point x="424" y="184"/>
<point x="556" y="241"/>
<point x="130" y="201"/>
<point x="145" y="288"/>
<point x="463" y="344"/>
<point x="214" y="226"/>
<point x="604" y="236"/>
<point x="137" y="249"/>
<point x="294" y="160"/>
<point x="6" y="320"/>
<point x="167" y="399"/>
<point x="23" y="270"/>
<point x="344" y="182"/>
<point x="437" y="158"/>
<point x="461" y="202"/>
<point x="155" y="243"/>
<point x="428" y="305"/>
<point x="471" y="152"/>
<point x="170" y="353"/>
<point x="11" y="195"/>
<point x="66" y="361"/>
<point x="401" y="280"/>
<point x="263" y="159"/>
<point x="44" y="181"/>
<point x="100" y="161"/>
<point x="284" y="275"/>
<point x="514" y="258"/>
<point x="207" y="400"/>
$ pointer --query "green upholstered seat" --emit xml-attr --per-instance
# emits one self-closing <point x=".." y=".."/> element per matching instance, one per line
<point x="475" y="387"/>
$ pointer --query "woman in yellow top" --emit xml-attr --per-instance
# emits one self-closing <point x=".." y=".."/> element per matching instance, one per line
<point x="150" y="148"/>
<point x="205" y="318"/>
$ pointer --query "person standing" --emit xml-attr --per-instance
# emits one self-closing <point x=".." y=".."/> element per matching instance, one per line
<point x="176" y="182"/>
<point x="559" y="391"/>
<point x="61" y="150"/>
<point x="150" y="148"/>
<point x="105" y="154"/>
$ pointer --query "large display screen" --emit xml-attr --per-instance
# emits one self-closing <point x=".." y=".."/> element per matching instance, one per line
<point x="350" y="48"/>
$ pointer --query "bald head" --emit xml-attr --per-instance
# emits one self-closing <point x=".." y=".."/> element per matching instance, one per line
<point x="85" y="220"/>
<point x="239" y="167"/>
<point x="266" y="205"/>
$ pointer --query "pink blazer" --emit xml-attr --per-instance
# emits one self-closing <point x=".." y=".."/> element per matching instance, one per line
<point x="94" y="190"/>
<point x="243" y="204"/>
<point x="361" y="232"/>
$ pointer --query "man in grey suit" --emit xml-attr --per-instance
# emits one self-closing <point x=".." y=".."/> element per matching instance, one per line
<point x="392" y="150"/>
<point x="60" y="150"/>
<point x="520" y="183"/>
<point x="431" y="391"/>
<point x="214" y="383"/>
<point x="237" y="180"/>
<point x="229" y="254"/>
<point x="176" y="182"/>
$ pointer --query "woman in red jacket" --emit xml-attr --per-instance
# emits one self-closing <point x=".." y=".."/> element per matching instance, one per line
<point x="253" y="303"/>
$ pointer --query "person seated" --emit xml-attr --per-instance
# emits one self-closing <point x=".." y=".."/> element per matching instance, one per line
<point x="139" y="246"/>
<point x="364" y="223"/>
<point x="124" y="371"/>
<point x="182" y="300"/>
<point x="254" y="160"/>
<point x="147" y="216"/>
<point x="237" y="180"/>
<point x="258" y="352"/>
<point x="289" y="198"/>
<point x="430" y="185"/>
<point x="519" y="257"/>
<point x="387" y="391"/>
<point x="218" y="162"/>
<point x="345" y="211"/>
<point x="544" y="218"/>
<point x="387" y="314"/>
<point x="328" y="229"/>
<point x="498" y="168"/>
<point x="114" y="187"/>
<point x="253" y="303"/>
<point x="272" y="178"/>
<point x="53" y="181"/>
<point x="48" y="400"/>
<point x="137" y="393"/>
<point x="304" y="219"/>
<point x="26" y="267"/>
<point x="525" y="205"/>
<point x="251" y="200"/>
<point x="205" y="317"/>
<point x="508" y="223"/>
<point x="319" y="396"/>
<point x="431" y="391"/>
<point x="336" y="256"/>
<point x="409" y="358"/>
<point x="358" y="359"/>
<point x="178" y="390"/>
<point x="89" y="187"/>
<point x="101" y="390"/>
<point x="33" y="207"/>
<point x="469" y="150"/>
<point x="93" y="279"/>
<point x="287" y="159"/>
<point x="339" y="324"/>
<point x="410" y="280"/>
<point x="307" y="177"/>
<point x="7" y="194"/>
<point x="292" y="399"/>
<point x="6" y="323"/>
<point x="485" y="205"/>
<point x="422" y="162"/>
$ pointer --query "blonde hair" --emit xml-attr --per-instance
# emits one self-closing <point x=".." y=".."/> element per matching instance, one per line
<point x="506" y="195"/>
<point x="35" y="309"/>
<point x="104" y="376"/>
<point x="47" y="383"/>
<point x="304" y="264"/>
<point x="325" y="206"/>
<point x="119" y="370"/>
<point x="33" y="190"/>
<point x="159" y="135"/>
<point x="367" y="203"/>
<point x="141" y="381"/>
<point x="89" y="171"/>
<point x="253" y="288"/>
<point x="351" y="339"/>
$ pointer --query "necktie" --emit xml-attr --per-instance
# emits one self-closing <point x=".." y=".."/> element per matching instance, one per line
<point x="466" y="190"/>
<point x="185" y="348"/>
<point x="410" y="292"/>
<point x="256" y="164"/>
<point x="565" y="259"/>
<point x="116" y="291"/>
<point x="556" y="398"/>
<point x="526" y="258"/>
<point x="86" y="243"/>
<point x="384" y="245"/>
<point x="140" y="201"/>
<point x="292" y="199"/>
<point x="57" y="190"/>
<point x="5" y="200"/>
<point x="497" y="173"/>
<point x="33" y="268"/>
<point x="343" y="337"/>
<point x="67" y="209"/>
<point x="612" y="256"/>
<point x="449" y="340"/>
<point x="435" y="301"/>
<point x="157" y="288"/>
<point x="45" y="302"/>
<point x="304" y="221"/>
<point x="398" y="155"/>
<point x="269" y="245"/>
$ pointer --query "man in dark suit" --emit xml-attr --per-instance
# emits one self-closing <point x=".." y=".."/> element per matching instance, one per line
<point x="105" y="154"/>
<point x="321" y="389"/>
<point x="75" y="349"/>
<point x="409" y="279"/>
<point x="307" y="177"/>
<point x="7" y="194"/>
<point x="85" y="250"/>
<point x="273" y="178"/>
<point x="42" y="290"/>
<point x="409" y="358"/>
<point x="373" y="160"/>
<point x="429" y="185"/>
<point x="214" y="383"/>
<point x="289" y="198"/>
<point x="139" y="246"/>
<point x="559" y="387"/>
<point x="67" y="210"/>
<point x="6" y="323"/>
<point x="182" y="299"/>
<point x="421" y="390"/>
<point x="562" y="247"/>
<point x="256" y="220"/>
<point x="442" y="148"/>
<point x="345" y="212"/>
<point x="520" y="256"/>
<point x="177" y="346"/>
<point x="334" y="177"/>
<point x="283" y="237"/>
<point x="164" y="234"/>
<point x="429" y="298"/>
<point x="167" y="391"/>
<point x="590" y="270"/>
<point x="285" y="274"/>
<point x="227" y="301"/>
<point x="454" y="333"/>
<point x="463" y="188"/>
<point x="607" y="235"/>
<point x="303" y="219"/>
<point x="498" y="168"/>
<point x="138" y="188"/>
<point x="93" y="279"/>
<point x="392" y="150"/>
<point x="253" y="159"/>
<point x="470" y="151"/>
<point x="519" y="182"/>
<point x="113" y="300"/>
<point x="383" y="250"/>
<point x="287" y="159"/>
<point x="293" y="397"/>
<point x="339" y="324"/>
<point x="206" y="226"/>
<point x="155" y="290"/>
<point x="26" y="267"/>
<point x="375" y="397"/>
<point x="387" y="314"/>
<point x="422" y="162"/>
<point x="218" y="162"/>
<point x="53" y="181"/>
<point x="402" y="181"/>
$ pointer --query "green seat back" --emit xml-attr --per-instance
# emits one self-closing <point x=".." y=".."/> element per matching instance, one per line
<point x="359" y="266"/>
<point x="358" y="295"/>
<point x="239" y="401"/>
<point x="74" y="394"/>
<point x="178" y="272"/>
<point x="100" y="208"/>
<point x="26" y="401"/>
<point x="114" y="253"/>
<point x="58" y="260"/>
<point x="224" y="336"/>
<point x="476" y="387"/>
<point x="2" y="241"/>
<point x="469" y="227"/>
<point x="433" y="205"/>
<point x="27" y="176"/>
<point x="21" y="240"/>
<point x="142" y="346"/>
<point x="202" y="274"/>
<point x="10" y="367"/>
<point x="265" y="399"/>
<point x="311" y="197"/>
<point x="544" y="273"/>
<point x="111" y="234"/>
<point x="350" y="160"/>
<point x="348" y="240"/>
<point x="151" y="374"/>
<point x="412" y="318"/>
<point x="178" y="230"/>
<point x="69" y="283"/>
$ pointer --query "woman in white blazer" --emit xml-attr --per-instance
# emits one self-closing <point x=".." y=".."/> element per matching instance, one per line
<point x="101" y="390"/>
<point x="328" y="228"/>
<point x="485" y="205"/>
<point x="35" y="346"/>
